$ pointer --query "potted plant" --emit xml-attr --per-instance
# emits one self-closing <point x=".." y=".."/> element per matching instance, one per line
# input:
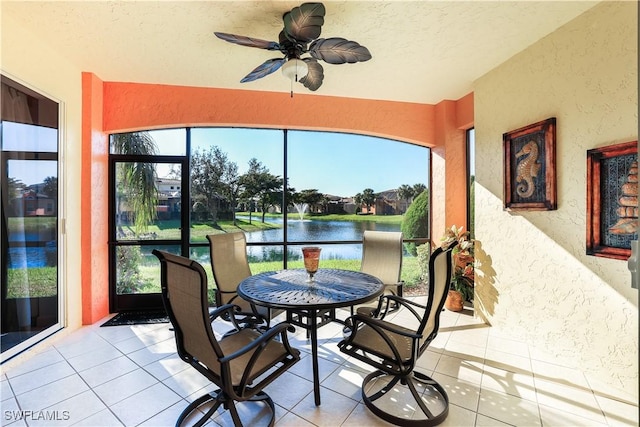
<point x="462" y="281"/>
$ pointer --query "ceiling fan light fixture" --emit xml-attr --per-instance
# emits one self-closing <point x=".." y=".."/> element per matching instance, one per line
<point x="295" y="69"/>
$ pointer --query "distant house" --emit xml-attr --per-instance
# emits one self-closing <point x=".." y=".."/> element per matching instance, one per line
<point x="169" y="198"/>
<point x="386" y="203"/>
<point x="32" y="203"/>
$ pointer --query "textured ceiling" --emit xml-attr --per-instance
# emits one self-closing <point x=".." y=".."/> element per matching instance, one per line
<point x="423" y="51"/>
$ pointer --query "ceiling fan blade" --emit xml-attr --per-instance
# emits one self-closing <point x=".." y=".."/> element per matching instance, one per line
<point x="264" y="69"/>
<point x="304" y="23"/>
<point x="336" y="50"/>
<point x="315" y="75"/>
<point x="248" y="41"/>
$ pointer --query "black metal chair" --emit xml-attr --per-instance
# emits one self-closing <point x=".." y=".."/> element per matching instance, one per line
<point x="241" y="363"/>
<point x="394" y="349"/>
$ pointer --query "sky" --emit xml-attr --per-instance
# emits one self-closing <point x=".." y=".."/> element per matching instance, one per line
<point x="333" y="163"/>
<point x="21" y="137"/>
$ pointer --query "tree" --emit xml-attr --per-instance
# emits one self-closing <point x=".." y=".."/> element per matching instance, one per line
<point x="311" y="197"/>
<point x="418" y="189"/>
<point x="136" y="183"/>
<point x="357" y="199"/>
<point x="213" y="179"/>
<point x="136" y="180"/>
<point x="415" y="223"/>
<point x="261" y="186"/>
<point x="405" y="192"/>
<point x="368" y="198"/>
<point x="50" y="187"/>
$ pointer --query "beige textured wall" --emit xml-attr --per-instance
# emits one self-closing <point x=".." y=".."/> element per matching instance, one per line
<point x="534" y="280"/>
<point x="27" y="60"/>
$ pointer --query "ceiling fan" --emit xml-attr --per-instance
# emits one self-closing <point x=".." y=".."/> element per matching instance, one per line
<point x="302" y="27"/>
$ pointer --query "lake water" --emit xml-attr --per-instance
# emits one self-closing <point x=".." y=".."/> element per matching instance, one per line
<point x="298" y="230"/>
<point x="309" y="230"/>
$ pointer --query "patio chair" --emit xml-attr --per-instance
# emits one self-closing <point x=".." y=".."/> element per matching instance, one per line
<point x="382" y="258"/>
<point x="241" y="363"/>
<point x="230" y="267"/>
<point x="394" y="349"/>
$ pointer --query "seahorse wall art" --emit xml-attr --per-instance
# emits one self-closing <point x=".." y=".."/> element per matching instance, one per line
<point x="628" y="204"/>
<point x="527" y="169"/>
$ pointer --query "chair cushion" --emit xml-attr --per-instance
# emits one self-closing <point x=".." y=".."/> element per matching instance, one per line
<point x="273" y="353"/>
<point x="370" y="341"/>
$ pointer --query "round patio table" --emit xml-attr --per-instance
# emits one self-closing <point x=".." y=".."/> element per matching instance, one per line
<point x="331" y="289"/>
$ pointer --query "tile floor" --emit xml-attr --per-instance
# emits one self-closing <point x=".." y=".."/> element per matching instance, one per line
<point x="131" y="376"/>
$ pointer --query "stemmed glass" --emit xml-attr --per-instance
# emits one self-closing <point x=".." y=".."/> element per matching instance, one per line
<point x="311" y="256"/>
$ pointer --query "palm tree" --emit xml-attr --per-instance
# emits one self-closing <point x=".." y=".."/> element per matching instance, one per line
<point x="137" y="180"/>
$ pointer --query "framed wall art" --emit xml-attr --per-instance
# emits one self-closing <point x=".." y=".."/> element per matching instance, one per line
<point x="612" y="200"/>
<point x="530" y="167"/>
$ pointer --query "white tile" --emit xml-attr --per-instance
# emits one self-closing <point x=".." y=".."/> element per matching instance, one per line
<point x="40" y="360"/>
<point x="361" y="416"/>
<point x="71" y="411"/>
<point x="304" y="368"/>
<point x="5" y="390"/>
<point x="558" y="374"/>
<point x="471" y="334"/>
<point x="94" y="358"/>
<point x="254" y="414"/>
<point x="461" y="393"/>
<point x="292" y="420"/>
<point x="166" y="367"/>
<point x="427" y="362"/>
<point x="154" y="352"/>
<point x="514" y="383"/>
<point x="459" y="416"/>
<point x="124" y="386"/>
<point x="464" y="350"/>
<point x="484" y="421"/>
<point x="52" y="393"/>
<point x="553" y="417"/>
<point x="187" y="382"/>
<point x="347" y="382"/>
<point x="39" y="377"/>
<point x="506" y="345"/>
<point x="507" y="361"/>
<point x="458" y="368"/>
<point x="508" y="409"/>
<point x="573" y="399"/>
<point x="167" y="417"/>
<point x="80" y="342"/>
<point x="103" y="418"/>
<point x="289" y="389"/>
<point x="108" y="371"/>
<point x="333" y="410"/>
<point x="145" y="404"/>
<point x="619" y="413"/>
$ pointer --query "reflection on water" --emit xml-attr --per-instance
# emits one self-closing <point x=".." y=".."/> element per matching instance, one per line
<point x="309" y="230"/>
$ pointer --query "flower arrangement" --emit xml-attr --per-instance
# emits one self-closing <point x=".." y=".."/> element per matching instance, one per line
<point x="463" y="270"/>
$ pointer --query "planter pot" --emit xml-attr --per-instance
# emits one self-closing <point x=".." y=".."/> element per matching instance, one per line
<point x="454" y="301"/>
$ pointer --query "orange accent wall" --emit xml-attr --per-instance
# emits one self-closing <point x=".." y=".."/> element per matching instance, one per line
<point x="110" y="107"/>
<point x="135" y="106"/>
<point x="95" y="173"/>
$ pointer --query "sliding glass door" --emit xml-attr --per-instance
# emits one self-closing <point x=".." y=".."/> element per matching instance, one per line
<point x="30" y="218"/>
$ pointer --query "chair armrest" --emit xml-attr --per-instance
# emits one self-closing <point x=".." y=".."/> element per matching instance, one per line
<point x="262" y="341"/>
<point x="381" y="324"/>
<point x="401" y="302"/>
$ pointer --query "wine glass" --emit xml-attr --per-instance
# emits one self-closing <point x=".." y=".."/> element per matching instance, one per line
<point x="311" y="256"/>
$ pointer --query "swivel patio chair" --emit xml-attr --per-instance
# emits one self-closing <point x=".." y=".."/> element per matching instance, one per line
<point x="241" y="363"/>
<point x="230" y="266"/>
<point x="382" y="258"/>
<point x="394" y="350"/>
